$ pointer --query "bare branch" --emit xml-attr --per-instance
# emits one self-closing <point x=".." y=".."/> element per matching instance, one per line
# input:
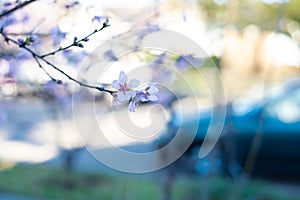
<point x="28" y="33"/>
<point x="76" y="42"/>
<point x="38" y="57"/>
<point x="16" y="8"/>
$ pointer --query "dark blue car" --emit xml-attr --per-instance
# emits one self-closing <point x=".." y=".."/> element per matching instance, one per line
<point x="266" y="133"/>
<point x="260" y="136"/>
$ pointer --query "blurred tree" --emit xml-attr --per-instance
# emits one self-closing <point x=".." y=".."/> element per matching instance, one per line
<point x="245" y="12"/>
<point x="292" y="10"/>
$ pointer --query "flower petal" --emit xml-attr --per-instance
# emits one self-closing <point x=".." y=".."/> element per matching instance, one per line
<point x="152" y="98"/>
<point x="140" y="96"/>
<point x="153" y="90"/>
<point x="121" y="97"/>
<point x="134" y="94"/>
<point x="115" y="84"/>
<point x="122" y="78"/>
<point x="131" y="106"/>
<point x="129" y="94"/>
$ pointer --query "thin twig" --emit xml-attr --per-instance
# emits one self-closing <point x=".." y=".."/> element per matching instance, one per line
<point x="38" y="57"/>
<point x="28" y="33"/>
<point x="17" y="7"/>
<point x="41" y="66"/>
<point x="75" y="42"/>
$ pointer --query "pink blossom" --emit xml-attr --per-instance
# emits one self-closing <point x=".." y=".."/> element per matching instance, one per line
<point x="149" y="94"/>
<point x="124" y="88"/>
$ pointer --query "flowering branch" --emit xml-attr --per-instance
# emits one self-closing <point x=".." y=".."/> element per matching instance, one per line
<point x="122" y="92"/>
<point x="76" y="42"/>
<point x="126" y="92"/>
<point x="21" y="5"/>
<point x="39" y="58"/>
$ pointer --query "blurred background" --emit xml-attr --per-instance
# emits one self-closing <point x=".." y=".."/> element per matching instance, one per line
<point x="253" y="43"/>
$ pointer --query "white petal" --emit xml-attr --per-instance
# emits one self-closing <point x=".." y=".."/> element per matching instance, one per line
<point x="129" y="94"/>
<point x="115" y="84"/>
<point x="152" y="98"/>
<point x="143" y="99"/>
<point x="131" y="106"/>
<point x="133" y="83"/>
<point x="153" y="90"/>
<point x="121" y="97"/>
<point x="122" y="78"/>
<point x="133" y="94"/>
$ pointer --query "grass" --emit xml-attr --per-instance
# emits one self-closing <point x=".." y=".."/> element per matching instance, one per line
<point x="57" y="184"/>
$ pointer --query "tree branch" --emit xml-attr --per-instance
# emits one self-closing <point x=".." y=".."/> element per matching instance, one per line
<point x="38" y="57"/>
<point x="16" y="8"/>
<point x="76" y="42"/>
<point x="28" y="33"/>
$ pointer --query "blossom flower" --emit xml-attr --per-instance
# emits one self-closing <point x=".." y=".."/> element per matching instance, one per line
<point x="74" y="57"/>
<point x="7" y="21"/>
<point x="149" y="94"/>
<point x="100" y="19"/>
<point x="181" y="63"/>
<point x="158" y="60"/>
<point x="7" y="4"/>
<point x="97" y="19"/>
<point x="184" y="61"/>
<point x="136" y="99"/>
<point x="57" y="35"/>
<point x="125" y="88"/>
<point x="110" y="56"/>
<point x="126" y="93"/>
<point x="25" y="18"/>
<point x="150" y="28"/>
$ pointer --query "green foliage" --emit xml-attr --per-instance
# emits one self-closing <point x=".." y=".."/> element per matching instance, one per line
<point x="213" y="13"/>
<point x="292" y="10"/>
<point x="247" y="12"/>
<point x="57" y="184"/>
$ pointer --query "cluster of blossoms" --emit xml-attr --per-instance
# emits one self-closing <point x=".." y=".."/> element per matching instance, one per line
<point x="126" y="92"/>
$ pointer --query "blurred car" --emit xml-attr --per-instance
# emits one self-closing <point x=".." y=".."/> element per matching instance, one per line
<point x="270" y="126"/>
<point x="261" y="136"/>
